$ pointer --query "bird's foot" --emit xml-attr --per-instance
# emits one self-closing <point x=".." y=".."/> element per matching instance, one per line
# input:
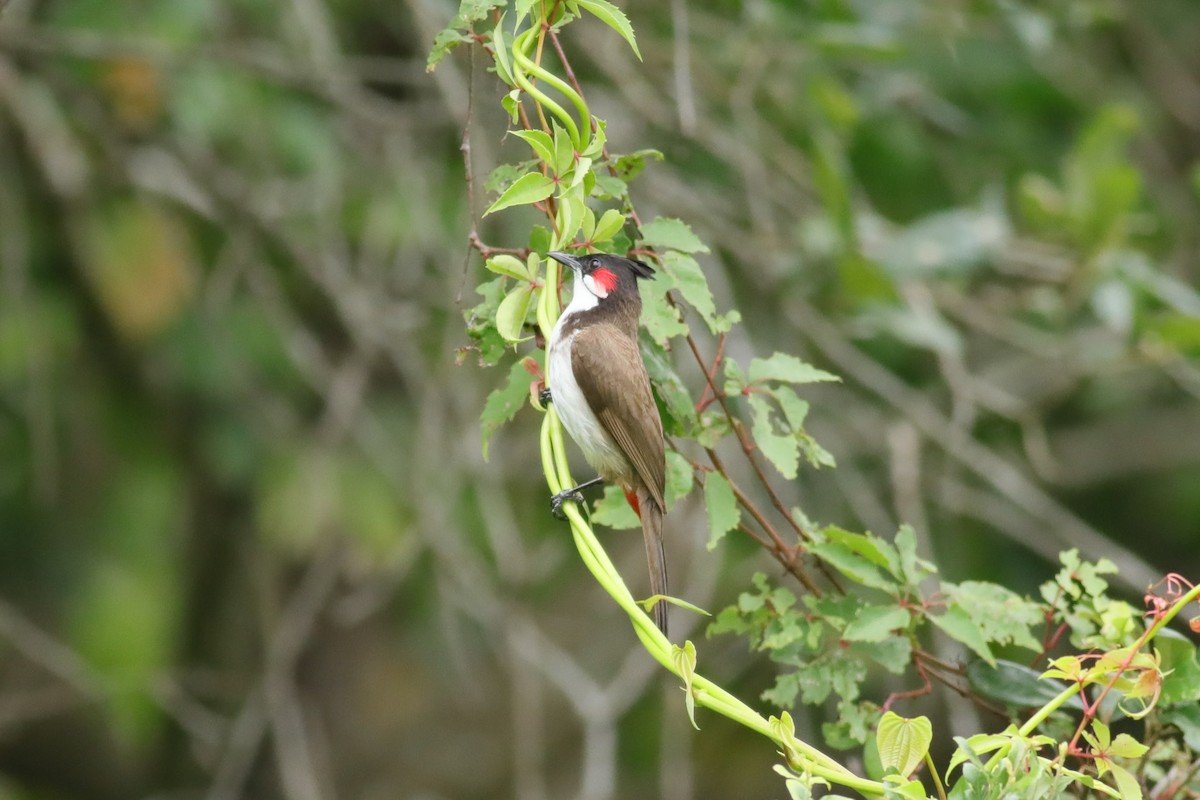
<point x="556" y="502"/>
<point x="544" y="396"/>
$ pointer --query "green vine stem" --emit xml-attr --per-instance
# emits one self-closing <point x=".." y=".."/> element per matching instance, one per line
<point x="704" y="691"/>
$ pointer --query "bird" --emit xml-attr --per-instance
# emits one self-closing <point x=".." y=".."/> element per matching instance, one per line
<point x="601" y="391"/>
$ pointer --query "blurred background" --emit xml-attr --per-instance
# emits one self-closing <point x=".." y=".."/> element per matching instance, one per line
<point x="249" y="546"/>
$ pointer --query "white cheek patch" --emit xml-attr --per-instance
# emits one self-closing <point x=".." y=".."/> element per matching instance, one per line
<point x="595" y="287"/>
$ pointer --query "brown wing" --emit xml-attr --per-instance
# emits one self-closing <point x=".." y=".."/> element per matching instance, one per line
<point x="625" y="408"/>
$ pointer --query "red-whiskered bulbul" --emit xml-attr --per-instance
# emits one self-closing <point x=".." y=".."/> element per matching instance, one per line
<point x="602" y="394"/>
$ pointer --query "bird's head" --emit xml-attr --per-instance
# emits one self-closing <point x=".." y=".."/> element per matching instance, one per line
<point x="604" y="275"/>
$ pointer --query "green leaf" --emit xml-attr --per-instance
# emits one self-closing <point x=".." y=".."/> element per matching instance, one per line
<point x="855" y="555"/>
<point x="679" y="478"/>
<point x="503" y="65"/>
<point x="504" y="403"/>
<point x="469" y="12"/>
<point x="877" y="623"/>
<point x="781" y="450"/>
<point x="629" y="166"/>
<point x="611" y="222"/>
<point x="1001" y="615"/>
<point x="721" y="505"/>
<point x="903" y="743"/>
<point x="685" y="664"/>
<point x="609" y="187"/>
<point x="614" y="18"/>
<point x="957" y="624"/>
<point x="514" y="308"/>
<point x="672" y="234"/>
<point x="661" y="319"/>
<point x="1014" y="684"/>
<point x="529" y="188"/>
<point x="613" y="511"/>
<point x="1187" y="719"/>
<point x="689" y="279"/>
<point x="786" y="368"/>
<point x="571" y="209"/>
<point x="508" y="265"/>
<point x="540" y="141"/>
<point x="1181" y="683"/>
<point x="564" y="151"/>
<point x="1127" y="784"/>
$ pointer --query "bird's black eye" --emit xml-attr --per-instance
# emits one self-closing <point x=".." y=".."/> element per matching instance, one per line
<point x="594" y="263"/>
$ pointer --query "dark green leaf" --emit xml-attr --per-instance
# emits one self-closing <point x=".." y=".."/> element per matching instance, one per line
<point x="1014" y="684"/>
<point x="628" y="166"/>
<point x="1179" y="665"/>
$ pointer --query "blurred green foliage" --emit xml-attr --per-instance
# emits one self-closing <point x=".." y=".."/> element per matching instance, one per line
<point x="248" y="544"/>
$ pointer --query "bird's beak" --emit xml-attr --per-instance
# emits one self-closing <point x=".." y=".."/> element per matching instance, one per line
<point x="566" y="259"/>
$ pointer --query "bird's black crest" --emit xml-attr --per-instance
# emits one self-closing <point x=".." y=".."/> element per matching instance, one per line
<point x="640" y="268"/>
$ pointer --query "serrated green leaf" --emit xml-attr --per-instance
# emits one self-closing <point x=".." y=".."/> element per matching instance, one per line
<point x="786" y="368"/>
<point x="903" y="743"/>
<point x="1181" y="670"/>
<point x="661" y="319"/>
<point x="609" y="187"/>
<point x="1128" y="785"/>
<point x="508" y="265"/>
<point x="1001" y="615"/>
<point x="1014" y="684"/>
<point x="679" y="478"/>
<point x="672" y="234"/>
<point x="781" y="450"/>
<point x="469" y="12"/>
<point x="957" y="624"/>
<point x="511" y="103"/>
<point x="541" y="143"/>
<point x="721" y="505"/>
<point x="690" y="281"/>
<point x="514" y="308"/>
<point x="503" y="404"/>
<point x="529" y="188"/>
<point x="582" y="169"/>
<point x="847" y="556"/>
<point x="877" y="623"/>
<point x="611" y="222"/>
<point x="613" y="511"/>
<point x="614" y="18"/>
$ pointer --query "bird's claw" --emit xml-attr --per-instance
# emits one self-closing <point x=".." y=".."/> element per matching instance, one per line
<point x="544" y="396"/>
<point x="556" y="502"/>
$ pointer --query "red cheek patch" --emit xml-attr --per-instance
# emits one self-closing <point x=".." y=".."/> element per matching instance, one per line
<point x="606" y="279"/>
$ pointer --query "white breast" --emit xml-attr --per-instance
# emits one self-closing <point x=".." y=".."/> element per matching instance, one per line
<point x="598" y="447"/>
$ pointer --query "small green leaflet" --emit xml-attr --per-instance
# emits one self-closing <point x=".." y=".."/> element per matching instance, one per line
<point x="661" y="319"/>
<point x="686" y="274"/>
<point x="679" y="478"/>
<point x="672" y="234"/>
<point x="613" y="17"/>
<point x="508" y="265"/>
<point x="529" y="188"/>
<point x="504" y="403"/>
<point x="721" y="504"/>
<point x="786" y="368"/>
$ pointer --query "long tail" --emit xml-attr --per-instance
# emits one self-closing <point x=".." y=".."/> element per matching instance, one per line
<point x="656" y="557"/>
